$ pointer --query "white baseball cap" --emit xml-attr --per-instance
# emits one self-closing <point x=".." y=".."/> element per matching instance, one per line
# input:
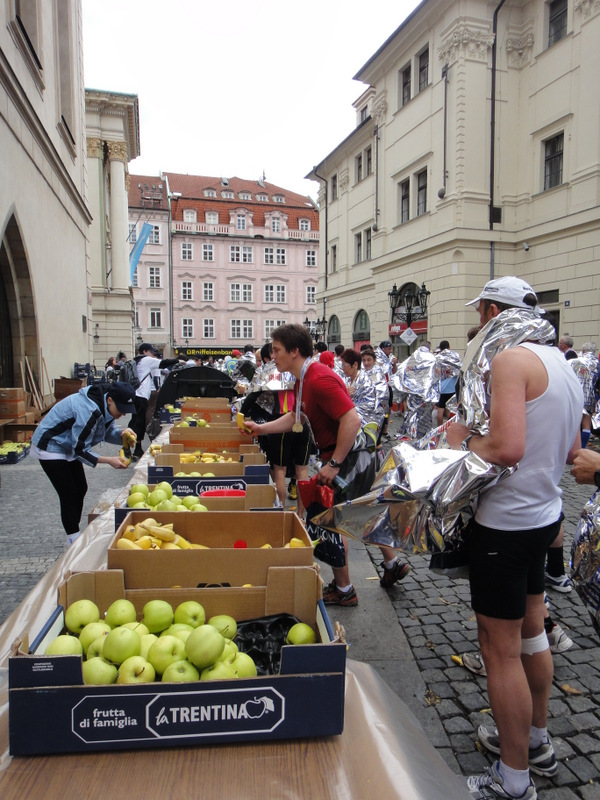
<point x="509" y="290"/>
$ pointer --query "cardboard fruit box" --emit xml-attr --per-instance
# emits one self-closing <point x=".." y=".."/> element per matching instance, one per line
<point x="52" y="711"/>
<point x="217" y="437"/>
<point x="222" y="563"/>
<point x="234" y="475"/>
<point x="255" y="496"/>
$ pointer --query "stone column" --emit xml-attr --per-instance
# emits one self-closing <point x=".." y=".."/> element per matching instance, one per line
<point x="119" y="229"/>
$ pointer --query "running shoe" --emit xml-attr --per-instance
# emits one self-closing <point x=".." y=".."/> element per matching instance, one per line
<point x="332" y="596"/>
<point x="474" y="663"/>
<point x="558" y="640"/>
<point x="542" y="760"/>
<point x="292" y="491"/>
<point x="490" y="786"/>
<point x="561" y="584"/>
<point x="393" y="574"/>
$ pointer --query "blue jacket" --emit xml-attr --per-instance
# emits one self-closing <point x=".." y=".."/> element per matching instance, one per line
<point x="77" y="423"/>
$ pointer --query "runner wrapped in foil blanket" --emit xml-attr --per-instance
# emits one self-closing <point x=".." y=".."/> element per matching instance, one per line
<point x="418" y="379"/>
<point x="263" y="390"/>
<point x="368" y="397"/>
<point x="585" y="559"/>
<point x="422" y="500"/>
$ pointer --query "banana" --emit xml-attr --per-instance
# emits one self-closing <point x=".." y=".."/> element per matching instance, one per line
<point x="210" y="455"/>
<point x="129" y="533"/>
<point x="240" y="419"/>
<point x="126" y="544"/>
<point x="139" y="531"/>
<point x="149" y="522"/>
<point x="195" y="546"/>
<point x="126" y="461"/>
<point x="128" y="439"/>
<point x="169" y="546"/>
<point x="181" y="542"/>
<point x="163" y="533"/>
<point x="145" y="543"/>
<point x="295" y="542"/>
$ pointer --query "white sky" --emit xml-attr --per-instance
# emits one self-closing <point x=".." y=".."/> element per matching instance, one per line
<point x="234" y="87"/>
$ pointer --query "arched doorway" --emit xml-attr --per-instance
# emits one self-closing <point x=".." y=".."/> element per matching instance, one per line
<point x="18" y="330"/>
<point x="361" y="329"/>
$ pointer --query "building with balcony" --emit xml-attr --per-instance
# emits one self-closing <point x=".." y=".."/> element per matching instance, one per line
<point x="45" y="301"/>
<point x="245" y="259"/>
<point x="151" y="278"/>
<point x="476" y="154"/>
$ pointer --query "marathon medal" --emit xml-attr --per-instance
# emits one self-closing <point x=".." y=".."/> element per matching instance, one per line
<point x="297" y="426"/>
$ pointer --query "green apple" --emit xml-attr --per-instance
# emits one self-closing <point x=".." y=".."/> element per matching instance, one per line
<point x="92" y="631"/>
<point x="166" y="505"/>
<point x="209" y="475"/>
<point x="190" y="500"/>
<point x="136" y="669"/>
<point x="120" y="644"/>
<point x="165" y="651"/>
<point x="65" y="645"/>
<point x="181" y="672"/>
<point x="243" y="666"/>
<point x="148" y="640"/>
<point x="190" y="613"/>
<point x="119" y="612"/>
<point x="156" y="497"/>
<point x="96" y="647"/>
<point x="229" y="651"/>
<point x="194" y="474"/>
<point x="198" y="507"/>
<point x="202" y="423"/>
<point x="180" y="475"/>
<point x="177" y="627"/>
<point x="98" y="671"/>
<point x="176" y="499"/>
<point x="140" y="487"/>
<point x="138" y="627"/>
<point x="204" y="646"/>
<point x="301" y="633"/>
<point x="166" y="488"/>
<point x="183" y="424"/>
<point x="226" y="625"/>
<point x="218" y="672"/>
<point x="140" y="505"/>
<point x="157" y="615"/>
<point x="81" y="613"/>
<point x="135" y="498"/>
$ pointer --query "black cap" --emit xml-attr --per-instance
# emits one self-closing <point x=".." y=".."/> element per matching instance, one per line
<point x="386" y="343"/>
<point x="123" y="395"/>
<point x="144" y="347"/>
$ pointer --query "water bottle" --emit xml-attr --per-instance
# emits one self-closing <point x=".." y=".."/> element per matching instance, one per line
<point x="340" y="484"/>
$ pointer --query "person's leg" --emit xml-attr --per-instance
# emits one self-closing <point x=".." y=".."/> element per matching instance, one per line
<point x="138" y="424"/>
<point x="394" y="569"/>
<point x="301" y="475"/>
<point x="538" y="666"/>
<point x="279" y="480"/>
<point x="508" y="688"/>
<point x="69" y="482"/>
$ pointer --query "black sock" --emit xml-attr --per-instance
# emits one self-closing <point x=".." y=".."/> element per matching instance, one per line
<point x="548" y="625"/>
<point x="556" y="562"/>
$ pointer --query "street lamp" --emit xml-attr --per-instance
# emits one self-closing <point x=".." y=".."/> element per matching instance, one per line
<point x="96" y="334"/>
<point x="414" y="305"/>
<point x="321" y="326"/>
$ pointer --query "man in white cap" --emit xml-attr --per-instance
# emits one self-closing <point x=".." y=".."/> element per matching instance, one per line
<point x="516" y="520"/>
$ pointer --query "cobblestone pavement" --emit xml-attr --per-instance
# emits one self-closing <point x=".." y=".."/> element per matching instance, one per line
<point x="408" y="633"/>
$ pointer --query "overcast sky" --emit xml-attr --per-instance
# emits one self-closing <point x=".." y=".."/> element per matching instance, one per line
<point x="235" y="88"/>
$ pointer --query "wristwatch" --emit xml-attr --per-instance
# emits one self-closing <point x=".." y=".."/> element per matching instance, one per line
<point x="597" y="478"/>
<point x="334" y="463"/>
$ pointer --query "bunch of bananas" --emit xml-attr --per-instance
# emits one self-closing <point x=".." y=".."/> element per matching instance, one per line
<point x="150" y="535"/>
<point x="128" y="440"/>
<point x="204" y="458"/>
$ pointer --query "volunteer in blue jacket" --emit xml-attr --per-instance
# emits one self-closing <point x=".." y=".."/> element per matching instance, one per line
<point x="64" y="439"/>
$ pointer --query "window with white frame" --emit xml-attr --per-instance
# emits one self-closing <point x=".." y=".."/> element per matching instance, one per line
<point x="311" y="258"/>
<point x="228" y="195"/>
<point x="424" y="69"/>
<point x="187" y="290"/>
<point x="304" y="224"/>
<point x="269" y="292"/>
<point x="186" y="251"/>
<point x="271" y="324"/>
<point x="241" y="254"/>
<point x="367" y="243"/>
<point x="235" y="328"/>
<point x="404" y="192"/>
<point x="132" y="233"/>
<point x="263" y="198"/>
<point x="211" y="217"/>
<point x="134" y="279"/>
<point x="136" y="318"/>
<point x="247" y="329"/>
<point x="208" y="251"/>
<point x="557" y="21"/>
<point x="280" y="293"/>
<point x="405" y="85"/>
<point x="240" y="222"/>
<point x="208" y="292"/>
<point x="311" y="295"/>
<point x="280" y="256"/>
<point x="333" y="261"/>
<point x="358" y="166"/>
<point x="210" y="193"/>
<point x="364" y="113"/>
<point x="368" y="161"/>
<point x="241" y="293"/>
<point x="154" y="278"/>
<point x="358" y="257"/>
<point x="154" y="237"/>
<point x="155" y="318"/>
<point x="553" y="161"/>
<point x="276" y="225"/>
<point x="334" y="187"/>
<point x="187" y="328"/>
<point x="189" y="215"/>
<point x="421" y="192"/>
<point x="269" y="255"/>
<point x="278" y="198"/>
<point x="208" y="328"/>
<point x="245" y="196"/>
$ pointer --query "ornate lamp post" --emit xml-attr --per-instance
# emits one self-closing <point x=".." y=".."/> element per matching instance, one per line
<point x="413" y="305"/>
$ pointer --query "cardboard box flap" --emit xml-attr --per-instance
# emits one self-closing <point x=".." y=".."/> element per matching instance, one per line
<point x="102" y="587"/>
<point x="293" y="590"/>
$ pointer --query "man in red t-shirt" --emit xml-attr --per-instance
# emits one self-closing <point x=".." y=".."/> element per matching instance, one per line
<point x="323" y="398"/>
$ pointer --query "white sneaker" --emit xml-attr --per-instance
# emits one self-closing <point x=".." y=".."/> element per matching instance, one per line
<point x="558" y="640"/>
<point x="560" y="584"/>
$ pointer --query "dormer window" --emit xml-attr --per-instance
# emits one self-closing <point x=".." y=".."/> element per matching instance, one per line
<point x="210" y="193"/>
<point x="228" y="195"/>
<point x="240" y="222"/>
<point x="189" y="215"/>
<point x="304" y="224"/>
<point x="263" y="198"/>
<point x="245" y="196"/>
<point x="278" y="198"/>
<point x="276" y="225"/>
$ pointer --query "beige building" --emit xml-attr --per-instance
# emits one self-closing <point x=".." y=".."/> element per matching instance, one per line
<point x="45" y="306"/>
<point x="476" y="154"/>
<point x="113" y="140"/>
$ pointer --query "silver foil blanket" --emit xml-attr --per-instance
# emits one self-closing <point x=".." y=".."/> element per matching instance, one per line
<point x="585" y="559"/>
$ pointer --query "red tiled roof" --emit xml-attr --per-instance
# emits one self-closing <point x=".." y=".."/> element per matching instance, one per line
<point x="145" y="192"/>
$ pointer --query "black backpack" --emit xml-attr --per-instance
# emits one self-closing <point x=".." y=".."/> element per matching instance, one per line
<point x="128" y="373"/>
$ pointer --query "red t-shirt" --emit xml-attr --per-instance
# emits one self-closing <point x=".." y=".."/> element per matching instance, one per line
<point x="324" y="400"/>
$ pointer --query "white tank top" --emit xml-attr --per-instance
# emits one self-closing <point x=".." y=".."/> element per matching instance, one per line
<point x="530" y="497"/>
